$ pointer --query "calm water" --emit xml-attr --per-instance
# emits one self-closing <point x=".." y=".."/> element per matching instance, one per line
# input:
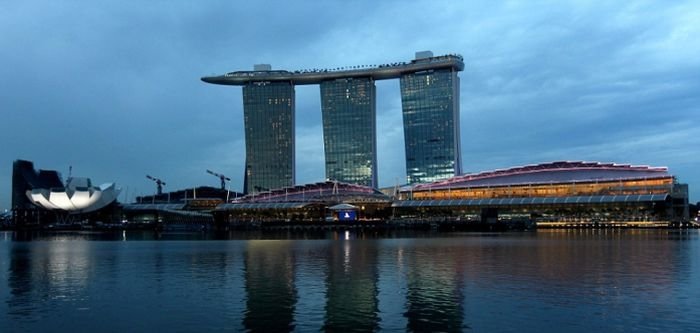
<point x="546" y="281"/>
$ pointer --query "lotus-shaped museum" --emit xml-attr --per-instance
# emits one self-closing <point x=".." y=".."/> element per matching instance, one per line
<point x="78" y="196"/>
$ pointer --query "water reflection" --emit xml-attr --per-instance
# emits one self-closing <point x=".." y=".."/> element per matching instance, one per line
<point x="572" y="280"/>
<point x="271" y="293"/>
<point x="19" y="282"/>
<point x="351" y="287"/>
<point x="55" y="273"/>
<point x="434" y="297"/>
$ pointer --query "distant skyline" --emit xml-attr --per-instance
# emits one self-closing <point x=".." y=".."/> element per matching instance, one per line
<point x="113" y="88"/>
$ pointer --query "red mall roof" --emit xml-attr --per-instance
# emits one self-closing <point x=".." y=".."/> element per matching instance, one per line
<point x="553" y="172"/>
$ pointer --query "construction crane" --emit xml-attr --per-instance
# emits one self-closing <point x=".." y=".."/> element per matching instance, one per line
<point x="223" y="178"/>
<point x="159" y="183"/>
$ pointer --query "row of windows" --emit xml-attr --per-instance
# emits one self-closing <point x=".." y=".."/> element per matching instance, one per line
<point x="269" y="132"/>
<point x="429" y="115"/>
<point x="654" y="186"/>
<point x="349" y="130"/>
<point x="349" y="121"/>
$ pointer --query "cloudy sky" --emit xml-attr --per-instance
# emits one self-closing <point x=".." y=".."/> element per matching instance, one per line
<point x="112" y="88"/>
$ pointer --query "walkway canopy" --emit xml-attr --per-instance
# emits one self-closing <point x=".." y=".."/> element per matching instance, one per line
<point x="263" y="205"/>
<point x="343" y="206"/>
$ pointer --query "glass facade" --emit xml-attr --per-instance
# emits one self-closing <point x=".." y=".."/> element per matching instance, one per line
<point x="430" y="102"/>
<point x="349" y="130"/>
<point x="268" y="110"/>
<point x="568" y="189"/>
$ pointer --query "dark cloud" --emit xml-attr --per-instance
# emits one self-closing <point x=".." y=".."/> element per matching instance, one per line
<point x="112" y="88"/>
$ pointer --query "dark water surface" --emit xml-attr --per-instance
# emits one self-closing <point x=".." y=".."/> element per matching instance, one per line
<point x="545" y="281"/>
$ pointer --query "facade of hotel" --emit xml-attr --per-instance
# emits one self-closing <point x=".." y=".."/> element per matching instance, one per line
<point x="268" y="110"/>
<point x="430" y="104"/>
<point x="349" y="130"/>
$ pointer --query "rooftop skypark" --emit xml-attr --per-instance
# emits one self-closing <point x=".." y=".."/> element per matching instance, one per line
<point x="316" y="76"/>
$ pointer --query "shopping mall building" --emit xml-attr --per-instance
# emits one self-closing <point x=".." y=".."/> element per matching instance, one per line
<point x="557" y="194"/>
<point x="554" y="194"/>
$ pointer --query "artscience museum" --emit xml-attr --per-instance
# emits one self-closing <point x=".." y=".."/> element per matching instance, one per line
<point x="78" y="196"/>
<point x="37" y="194"/>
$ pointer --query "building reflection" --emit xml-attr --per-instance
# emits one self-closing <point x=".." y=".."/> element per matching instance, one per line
<point x="583" y="255"/>
<point x="19" y="281"/>
<point x="351" y="287"/>
<point x="568" y="273"/>
<point x="269" y="284"/>
<point x="348" y="284"/>
<point x="55" y="273"/>
<point x="434" y="298"/>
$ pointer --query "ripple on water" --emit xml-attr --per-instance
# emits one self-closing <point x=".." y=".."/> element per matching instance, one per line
<point x="544" y="281"/>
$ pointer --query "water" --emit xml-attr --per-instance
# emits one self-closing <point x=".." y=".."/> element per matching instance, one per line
<point x="546" y="281"/>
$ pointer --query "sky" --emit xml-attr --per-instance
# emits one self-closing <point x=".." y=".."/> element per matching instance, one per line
<point x="112" y="89"/>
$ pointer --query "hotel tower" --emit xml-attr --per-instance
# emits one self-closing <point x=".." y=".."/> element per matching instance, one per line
<point x="430" y="104"/>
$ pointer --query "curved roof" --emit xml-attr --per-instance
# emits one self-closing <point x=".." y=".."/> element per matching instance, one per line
<point x="172" y="208"/>
<point x="551" y="173"/>
<point x="262" y="205"/>
<point x="315" y="76"/>
<point x="342" y="206"/>
<point x="322" y="191"/>
<point x="153" y="206"/>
